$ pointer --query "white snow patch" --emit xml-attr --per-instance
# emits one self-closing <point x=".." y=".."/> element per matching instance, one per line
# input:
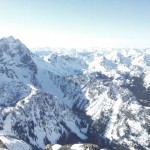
<point x="147" y="80"/>
<point x="95" y="107"/>
<point x="56" y="147"/>
<point x="113" y="118"/>
<point x="75" y="129"/>
<point x="123" y="68"/>
<point x="77" y="147"/>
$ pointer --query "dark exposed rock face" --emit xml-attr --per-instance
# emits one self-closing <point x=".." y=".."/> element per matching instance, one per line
<point x="72" y="147"/>
<point x="2" y="145"/>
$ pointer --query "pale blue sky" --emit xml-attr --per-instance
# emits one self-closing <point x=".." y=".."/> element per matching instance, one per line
<point x="77" y="23"/>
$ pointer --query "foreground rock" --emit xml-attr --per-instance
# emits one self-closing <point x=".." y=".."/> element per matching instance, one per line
<point x="2" y="146"/>
<point x="73" y="147"/>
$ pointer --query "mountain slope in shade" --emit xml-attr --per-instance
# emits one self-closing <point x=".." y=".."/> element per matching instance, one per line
<point x="99" y="96"/>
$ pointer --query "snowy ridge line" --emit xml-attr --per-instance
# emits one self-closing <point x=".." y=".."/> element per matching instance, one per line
<point x="27" y="98"/>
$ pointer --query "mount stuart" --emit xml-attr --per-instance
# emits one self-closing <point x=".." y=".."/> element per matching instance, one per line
<point x="100" y="96"/>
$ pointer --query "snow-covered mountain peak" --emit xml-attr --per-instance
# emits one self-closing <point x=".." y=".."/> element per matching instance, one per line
<point x="11" y="47"/>
<point x="10" y="39"/>
<point x="16" y="63"/>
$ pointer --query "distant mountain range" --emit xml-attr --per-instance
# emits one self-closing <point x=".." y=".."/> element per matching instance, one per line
<point x="99" y="96"/>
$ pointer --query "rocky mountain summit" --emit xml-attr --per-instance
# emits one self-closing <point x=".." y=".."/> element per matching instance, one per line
<point x="98" y="96"/>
